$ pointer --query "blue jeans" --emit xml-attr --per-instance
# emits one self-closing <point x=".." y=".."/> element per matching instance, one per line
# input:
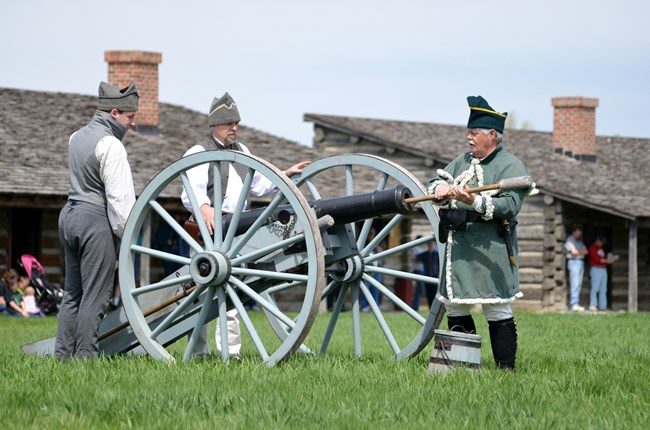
<point x="576" y="273"/>
<point x="598" y="288"/>
<point x="417" y="294"/>
<point x="376" y="295"/>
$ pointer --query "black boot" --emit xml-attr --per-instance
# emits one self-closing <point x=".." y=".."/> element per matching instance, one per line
<point x="503" y="336"/>
<point x="463" y="324"/>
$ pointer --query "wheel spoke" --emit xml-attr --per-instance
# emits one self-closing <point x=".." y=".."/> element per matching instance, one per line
<point x="380" y="319"/>
<point x="349" y="180"/>
<point x="338" y="306"/>
<point x="395" y="250"/>
<point x="165" y="283"/>
<point x="241" y="271"/>
<point x="217" y="199"/>
<point x="161" y="254"/>
<point x="363" y="234"/>
<point x="200" y="322"/>
<point x="312" y="189"/>
<point x="198" y="217"/>
<point x="239" y="209"/>
<point x="261" y="219"/>
<point x="393" y="298"/>
<point x="328" y="289"/>
<point x="255" y="337"/>
<point x="169" y="319"/>
<point x="175" y="226"/>
<point x="383" y="234"/>
<point x="261" y="301"/>
<point x="403" y="275"/>
<point x="284" y="286"/>
<point x="222" y="323"/>
<point x="356" y="320"/>
<point x="273" y="247"/>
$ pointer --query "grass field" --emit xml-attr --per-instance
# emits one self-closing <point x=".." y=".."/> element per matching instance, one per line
<point x="573" y="371"/>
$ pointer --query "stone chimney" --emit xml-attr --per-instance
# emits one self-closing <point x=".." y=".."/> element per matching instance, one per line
<point x="141" y="67"/>
<point x="574" y="127"/>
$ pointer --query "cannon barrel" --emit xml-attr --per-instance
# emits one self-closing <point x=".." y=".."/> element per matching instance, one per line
<point x="344" y="210"/>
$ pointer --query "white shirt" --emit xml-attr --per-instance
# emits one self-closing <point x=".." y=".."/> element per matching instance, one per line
<point x="118" y="183"/>
<point x="198" y="177"/>
<point x="30" y="304"/>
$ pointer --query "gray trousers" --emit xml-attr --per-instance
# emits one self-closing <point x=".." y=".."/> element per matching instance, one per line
<point x="90" y="254"/>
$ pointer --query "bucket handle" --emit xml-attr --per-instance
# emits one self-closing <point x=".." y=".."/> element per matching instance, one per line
<point x="443" y="348"/>
<point x="464" y="331"/>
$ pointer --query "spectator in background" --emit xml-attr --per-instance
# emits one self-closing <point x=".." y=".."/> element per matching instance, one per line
<point x="23" y="283"/>
<point x="29" y="303"/>
<point x="3" y="302"/>
<point x="12" y="297"/>
<point x="575" y="251"/>
<point x="598" y="261"/>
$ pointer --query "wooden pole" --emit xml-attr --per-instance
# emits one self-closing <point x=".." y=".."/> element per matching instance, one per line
<point x="633" y="275"/>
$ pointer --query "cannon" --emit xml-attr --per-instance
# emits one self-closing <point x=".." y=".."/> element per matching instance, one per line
<point x="304" y="245"/>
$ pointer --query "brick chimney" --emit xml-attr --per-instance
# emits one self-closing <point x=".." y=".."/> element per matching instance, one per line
<point x="574" y="127"/>
<point x="141" y="67"/>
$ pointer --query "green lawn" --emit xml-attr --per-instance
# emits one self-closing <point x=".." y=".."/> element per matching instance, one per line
<point x="573" y="371"/>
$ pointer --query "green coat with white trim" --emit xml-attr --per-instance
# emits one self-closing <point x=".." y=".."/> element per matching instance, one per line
<point x="476" y="267"/>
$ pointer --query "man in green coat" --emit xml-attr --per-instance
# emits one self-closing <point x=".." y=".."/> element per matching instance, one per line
<point x="480" y="261"/>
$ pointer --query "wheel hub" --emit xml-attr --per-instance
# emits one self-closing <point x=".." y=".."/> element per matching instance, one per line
<point x="354" y="268"/>
<point x="210" y="268"/>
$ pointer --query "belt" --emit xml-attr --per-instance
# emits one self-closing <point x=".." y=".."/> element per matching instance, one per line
<point x="476" y="217"/>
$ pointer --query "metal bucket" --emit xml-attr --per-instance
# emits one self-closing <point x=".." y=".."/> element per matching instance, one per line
<point x="452" y="348"/>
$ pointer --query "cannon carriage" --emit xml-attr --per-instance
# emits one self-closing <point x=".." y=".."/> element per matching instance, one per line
<point x="287" y="256"/>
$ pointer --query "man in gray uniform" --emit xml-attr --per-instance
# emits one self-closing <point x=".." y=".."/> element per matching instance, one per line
<point x="100" y="198"/>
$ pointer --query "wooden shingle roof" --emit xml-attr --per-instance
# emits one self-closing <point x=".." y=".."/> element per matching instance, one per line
<point x="616" y="183"/>
<point x="35" y="127"/>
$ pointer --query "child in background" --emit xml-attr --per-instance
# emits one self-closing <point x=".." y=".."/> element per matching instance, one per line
<point x="29" y="303"/>
<point x="23" y="283"/>
<point x="13" y="300"/>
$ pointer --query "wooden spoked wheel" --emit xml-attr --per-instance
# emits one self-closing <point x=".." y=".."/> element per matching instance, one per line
<point x="244" y="257"/>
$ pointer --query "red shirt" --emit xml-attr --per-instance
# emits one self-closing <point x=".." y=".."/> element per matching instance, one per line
<point x="597" y="256"/>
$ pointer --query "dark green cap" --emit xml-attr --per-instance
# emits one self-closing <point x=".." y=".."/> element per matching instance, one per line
<point x="223" y="110"/>
<point x="124" y="100"/>
<point x="481" y="115"/>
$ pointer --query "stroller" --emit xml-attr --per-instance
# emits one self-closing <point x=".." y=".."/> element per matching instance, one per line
<point x="48" y="295"/>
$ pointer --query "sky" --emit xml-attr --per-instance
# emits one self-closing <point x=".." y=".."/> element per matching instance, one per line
<point x="408" y="60"/>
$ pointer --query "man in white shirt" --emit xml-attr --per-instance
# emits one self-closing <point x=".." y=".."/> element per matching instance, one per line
<point x="100" y="199"/>
<point x="223" y="120"/>
<point x="575" y="251"/>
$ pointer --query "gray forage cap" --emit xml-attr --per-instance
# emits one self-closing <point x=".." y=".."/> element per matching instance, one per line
<point x="223" y="110"/>
<point x="124" y="100"/>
